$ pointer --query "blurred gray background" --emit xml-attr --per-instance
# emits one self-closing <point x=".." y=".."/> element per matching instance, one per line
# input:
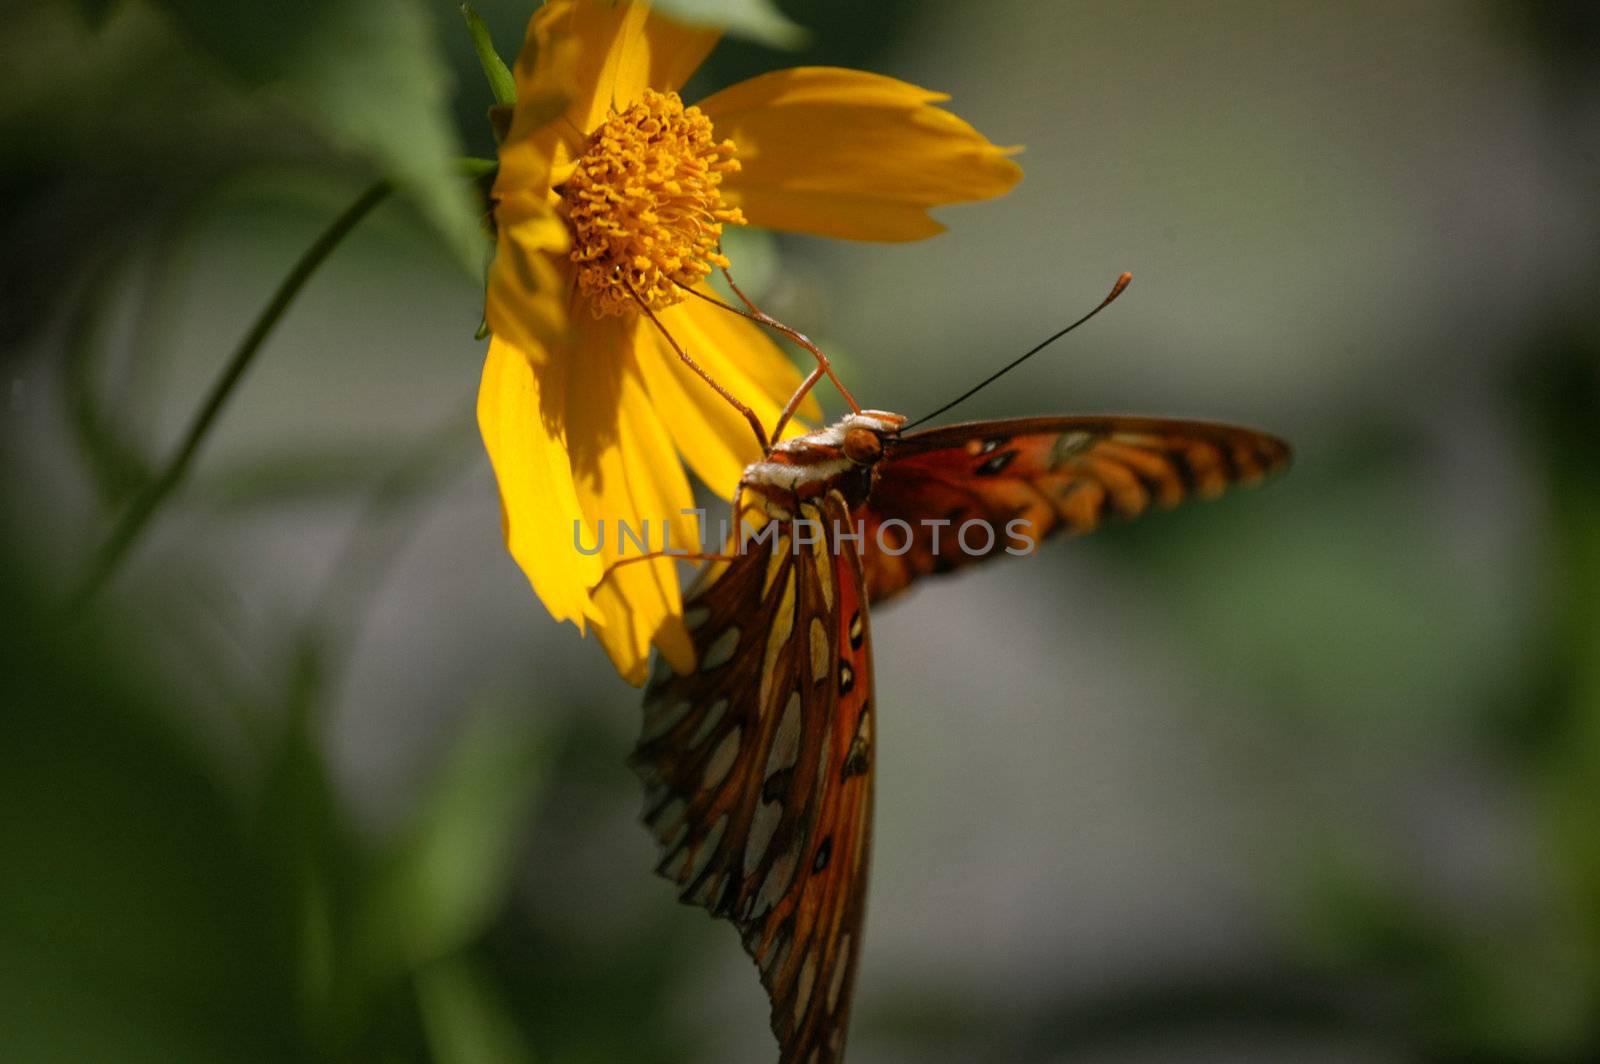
<point x="1303" y="775"/>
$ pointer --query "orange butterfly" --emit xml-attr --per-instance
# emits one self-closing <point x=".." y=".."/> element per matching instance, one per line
<point x="757" y="766"/>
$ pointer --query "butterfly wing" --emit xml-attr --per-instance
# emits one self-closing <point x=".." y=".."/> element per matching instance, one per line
<point x="1027" y="479"/>
<point x="758" y="768"/>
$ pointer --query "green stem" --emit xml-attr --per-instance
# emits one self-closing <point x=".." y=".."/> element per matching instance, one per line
<point x="144" y="505"/>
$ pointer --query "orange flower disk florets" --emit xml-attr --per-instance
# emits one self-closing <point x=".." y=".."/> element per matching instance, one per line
<point x="645" y="205"/>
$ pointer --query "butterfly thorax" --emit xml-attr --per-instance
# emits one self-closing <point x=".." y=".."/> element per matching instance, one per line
<point x="842" y="457"/>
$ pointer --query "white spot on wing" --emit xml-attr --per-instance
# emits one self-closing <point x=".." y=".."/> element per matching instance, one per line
<point x="707" y="850"/>
<point x="722" y="759"/>
<point x="773" y="959"/>
<point x="670" y="822"/>
<point x="778" y="877"/>
<point x="707" y="891"/>
<point x="1068" y="445"/>
<point x="661" y="716"/>
<point x="802" y="989"/>
<point x="786" y="740"/>
<point x="821" y="658"/>
<point x="709" y="722"/>
<point x="721" y="652"/>
<point x="762" y="827"/>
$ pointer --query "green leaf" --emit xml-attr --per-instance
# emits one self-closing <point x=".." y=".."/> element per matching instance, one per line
<point x="465" y="1020"/>
<point x="138" y="919"/>
<point x="450" y="876"/>
<point x="110" y="451"/>
<point x="502" y="86"/>
<point x="370" y="75"/>
<point x="95" y="11"/>
<point x="756" y="20"/>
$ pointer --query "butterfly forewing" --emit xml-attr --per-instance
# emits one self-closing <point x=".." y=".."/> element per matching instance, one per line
<point x="757" y="767"/>
<point x="1013" y="483"/>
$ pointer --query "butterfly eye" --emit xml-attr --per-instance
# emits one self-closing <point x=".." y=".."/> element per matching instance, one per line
<point x="862" y="446"/>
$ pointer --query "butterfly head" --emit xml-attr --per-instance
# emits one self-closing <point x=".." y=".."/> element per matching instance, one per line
<point x="839" y="458"/>
<point x="860" y="436"/>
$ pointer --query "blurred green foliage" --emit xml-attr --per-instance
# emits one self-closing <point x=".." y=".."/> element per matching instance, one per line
<point x="758" y="20"/>
<point x="153" y="911"/>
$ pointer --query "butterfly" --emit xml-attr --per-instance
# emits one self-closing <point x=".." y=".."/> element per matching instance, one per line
<point x="757" y="765"/>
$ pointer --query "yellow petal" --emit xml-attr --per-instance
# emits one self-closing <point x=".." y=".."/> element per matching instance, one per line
<point x="620" y="50"/>
<point x="627" y="475"/>
<point x="527" y="290"/>
<point x="546" y="75"/>
<point x="844" y="153"/>
<point x="713" y="437"/>
<point x="528" y="285"/>
<point x="520" y="415"/>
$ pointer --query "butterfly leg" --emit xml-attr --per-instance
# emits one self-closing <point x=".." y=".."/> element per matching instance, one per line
<point x="656" y="555"/>
<point x="804" y="341"/>
<point x="749" y="415"/>
<point x="761" y="317"/>
<point x="794" y="402"/>
<point x="737" y="511"/>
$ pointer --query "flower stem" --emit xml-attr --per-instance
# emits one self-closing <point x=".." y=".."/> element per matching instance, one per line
<point x="150" y="498"/>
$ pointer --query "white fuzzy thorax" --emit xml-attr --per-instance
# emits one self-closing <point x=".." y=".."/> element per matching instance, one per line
<point x="790" y="476"/>
<point x="833" y="435"/>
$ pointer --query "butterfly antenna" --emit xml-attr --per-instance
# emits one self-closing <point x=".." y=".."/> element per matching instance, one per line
<point x="1116" y="290"/>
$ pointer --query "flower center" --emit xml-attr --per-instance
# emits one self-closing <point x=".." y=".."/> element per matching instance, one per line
<point x="645" y="207"/>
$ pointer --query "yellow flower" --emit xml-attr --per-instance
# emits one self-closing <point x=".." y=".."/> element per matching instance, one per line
<point x="611" y="197"/>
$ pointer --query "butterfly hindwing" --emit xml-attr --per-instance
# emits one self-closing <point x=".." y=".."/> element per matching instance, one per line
<point x="1016" y="482"/>
<point x="757" y="767"/>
